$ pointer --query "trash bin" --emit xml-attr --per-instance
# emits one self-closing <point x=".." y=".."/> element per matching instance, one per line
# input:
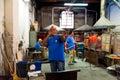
<point x="21" y="69"/>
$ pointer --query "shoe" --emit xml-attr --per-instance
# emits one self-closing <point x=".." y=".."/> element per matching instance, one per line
<point x="84" y="59"/>
<point x="70" y="63"/>
<point x="74" y="61"/>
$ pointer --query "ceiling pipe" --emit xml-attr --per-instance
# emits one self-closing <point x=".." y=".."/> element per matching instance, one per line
<point x="84" y="27"/>
<point x="103" y="22"/>
<point x="117" y="3"/>
<point x="53" y="12"/>
<point x="85" y="13"/>
<point x="85" y="16"/>
<point x="95" y="13"/>
<point x="102" y="9"/>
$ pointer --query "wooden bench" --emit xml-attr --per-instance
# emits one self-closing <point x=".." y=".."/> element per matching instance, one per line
<point x="62" y="75"/>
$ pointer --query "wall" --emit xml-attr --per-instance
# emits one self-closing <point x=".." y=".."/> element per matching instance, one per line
<point x="1" y="31"/>
<point x="17" y="15"/>
<point x="15" y="26"/>
<point x="113" y="13"/>
<point x="24" y="22"/>
<point x="26" y="17"/>
<point x="45" y="17"/>
<point x="1" y="15"/>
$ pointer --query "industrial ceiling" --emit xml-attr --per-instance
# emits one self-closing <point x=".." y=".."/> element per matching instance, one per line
<point x="41" y="3"/>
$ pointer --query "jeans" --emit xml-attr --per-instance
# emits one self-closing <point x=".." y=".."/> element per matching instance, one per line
<point x="57" y="65"/>
<point x="72" y="54"/>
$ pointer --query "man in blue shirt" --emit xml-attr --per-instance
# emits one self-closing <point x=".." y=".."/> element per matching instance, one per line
<point x="55" y="44"/>
<point x="38" y="45"/>
<point x="71" y="47"/>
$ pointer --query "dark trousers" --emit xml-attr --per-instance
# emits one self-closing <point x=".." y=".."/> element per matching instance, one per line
<point x="57" y="65"/>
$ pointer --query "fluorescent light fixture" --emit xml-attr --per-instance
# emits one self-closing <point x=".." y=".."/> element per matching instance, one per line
<point x="75" y="4"/>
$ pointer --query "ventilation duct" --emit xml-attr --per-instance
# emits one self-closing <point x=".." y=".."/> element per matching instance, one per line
<point x="84" y="27"/>
<point x="117" y="3"/>
<point x="103" y="22"/>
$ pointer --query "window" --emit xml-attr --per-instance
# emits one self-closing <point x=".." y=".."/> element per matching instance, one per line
<point x="67" y="19"/>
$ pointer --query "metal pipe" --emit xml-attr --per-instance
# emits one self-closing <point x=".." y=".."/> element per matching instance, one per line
<point x="53" y="12"/>
<point x="109" y="10"/>
<point x="102" y="9"/>
<point x="65" y="8"/>
<point x="117" y="3"/>
<point x="52" y="15"/>
<point x="85" y="16"/>
<point x="95" y="13"/>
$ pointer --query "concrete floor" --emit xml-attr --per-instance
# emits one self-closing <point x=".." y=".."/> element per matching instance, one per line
<point x="88" y="71"/>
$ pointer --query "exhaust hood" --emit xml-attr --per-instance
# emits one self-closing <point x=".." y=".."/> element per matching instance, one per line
<point x="85" y="27"/>
<point x="103" y="22"/>
<point x="116" y="29"/>
<point x="58" y="28"/>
